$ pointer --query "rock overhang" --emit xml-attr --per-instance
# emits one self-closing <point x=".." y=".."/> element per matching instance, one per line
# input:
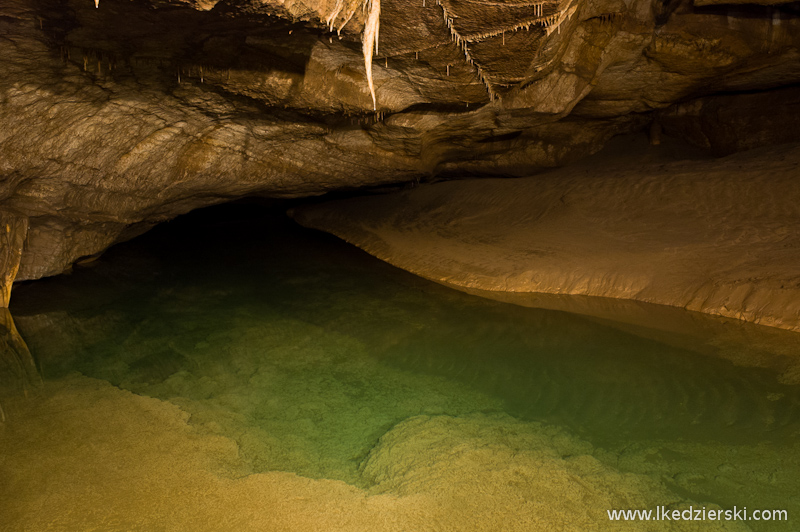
<point x="132" y="112"/>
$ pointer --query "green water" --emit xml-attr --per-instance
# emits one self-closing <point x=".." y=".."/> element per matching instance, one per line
<point x="306" y="351"/>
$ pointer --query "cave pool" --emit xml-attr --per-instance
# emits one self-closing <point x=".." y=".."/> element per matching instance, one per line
<point x="319" y="361"/>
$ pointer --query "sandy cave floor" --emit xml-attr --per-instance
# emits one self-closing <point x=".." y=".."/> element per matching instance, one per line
<point x="84" y="455"/>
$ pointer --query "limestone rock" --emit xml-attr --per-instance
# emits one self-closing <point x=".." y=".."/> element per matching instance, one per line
<point x="119" y="117"/>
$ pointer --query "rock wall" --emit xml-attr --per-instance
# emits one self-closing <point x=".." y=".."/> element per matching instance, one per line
<point x="119" y="117"/>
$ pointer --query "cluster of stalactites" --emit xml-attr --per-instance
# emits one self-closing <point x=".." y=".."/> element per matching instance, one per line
<point x="369" y="39"/>
<point x="551" y="22"/>
<point x="461" y="42"/>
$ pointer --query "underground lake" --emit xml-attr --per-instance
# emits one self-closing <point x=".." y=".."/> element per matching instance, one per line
<point x="232" y="370"/>
<point x="399" y="266"/>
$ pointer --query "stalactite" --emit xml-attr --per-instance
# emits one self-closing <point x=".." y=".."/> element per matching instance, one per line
<point x="370" y="42"/>
<point x="344" y="23"/>
<point x="524" y="24"/>
<point x="96" y="4"/>
<point x="448" y="20"/>
<point x="555" y="21"/>
<point x="335" y="13"/>
<point x="369" y="37"/>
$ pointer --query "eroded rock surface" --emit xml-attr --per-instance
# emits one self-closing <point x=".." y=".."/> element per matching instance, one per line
<point x="118" y="117"/>
<point x="716" y="236"/>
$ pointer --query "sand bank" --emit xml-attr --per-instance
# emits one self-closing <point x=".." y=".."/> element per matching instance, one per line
<point x="719" y="236"/>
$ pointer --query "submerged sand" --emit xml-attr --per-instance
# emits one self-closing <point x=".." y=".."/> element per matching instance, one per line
<point x="718" y="236"/>
<point x="85" y="455"/>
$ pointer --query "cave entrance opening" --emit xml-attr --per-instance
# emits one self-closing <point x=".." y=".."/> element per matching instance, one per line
<point x="317" y="359"/>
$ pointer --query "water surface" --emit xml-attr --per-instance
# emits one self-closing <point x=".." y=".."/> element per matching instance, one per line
<point x="306" y="351"/>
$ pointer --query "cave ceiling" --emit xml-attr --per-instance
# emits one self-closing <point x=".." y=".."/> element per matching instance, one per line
<point x="122" y="115"/>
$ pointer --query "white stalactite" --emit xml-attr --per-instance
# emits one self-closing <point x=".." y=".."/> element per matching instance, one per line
<point x="369" y="42"/>
<point x="369" y="38"/>
<point x="331" y="20"/>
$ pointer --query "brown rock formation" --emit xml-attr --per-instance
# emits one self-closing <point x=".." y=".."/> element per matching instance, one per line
<point x="119" y="117"/>
<point x="14" y="229"/>
<point x="716" y="236"/>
